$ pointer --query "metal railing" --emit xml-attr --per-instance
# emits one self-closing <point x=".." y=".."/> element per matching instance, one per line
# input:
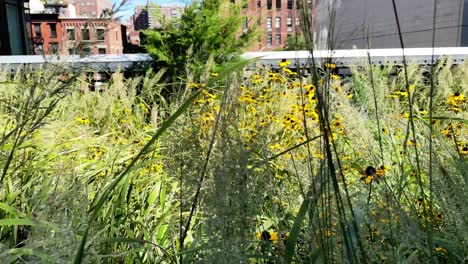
<point x="299" y="59"/>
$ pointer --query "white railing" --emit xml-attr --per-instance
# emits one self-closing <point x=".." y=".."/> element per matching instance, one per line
<point x="301" y="59"/>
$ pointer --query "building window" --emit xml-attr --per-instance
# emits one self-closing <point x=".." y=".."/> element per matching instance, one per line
<point x="269" y="41"/>
<point x="278" y="39"/>
<point x="290" y="4"/>
<point x="71" y="33"/>
<point x="259" y="3"/>
<point x="269" y="23"/>
<point x="54" y="47"/>
<point x="269" y="4"/>
<point x="71" y="51"/>
<point x="245" y="25"/>
<point x="53" y="30"/>
<point x="39" y="49"/>
<point x="85" y="33"/>
<point x="289" y="23"/>
<point x="101" y="50"/>
<point x="37" y="30"/>
<point x="116" y="35"/>
<point x="86" y="50"/>
<point x="298" y="22"/>
<point x="100" y="34"/>
<point x="278" y="22"/>
<point x="278" y="4"/>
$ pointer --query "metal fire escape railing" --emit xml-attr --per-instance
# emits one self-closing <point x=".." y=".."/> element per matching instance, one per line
<point x="343" y="59"/>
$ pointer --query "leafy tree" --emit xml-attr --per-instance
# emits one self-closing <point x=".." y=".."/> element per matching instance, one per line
<point x="296" y="42"/>
<point x="208" y="30"/>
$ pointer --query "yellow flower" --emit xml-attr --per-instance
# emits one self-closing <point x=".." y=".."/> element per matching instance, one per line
<point x="193" y="85"/>
<point x="267" y="236"/>
<point x="441" y="250"/>
<point x="329" y="233"/>
<point x="276" y="200"/>
<point x="456" y="99"/>
<point x="330" y="65"/>
<point x="423" y="112"/>
<point x="334" y="77"/>
<point x="380" y="172"/>
<point x="289" y="71"/>
<point x="464" y="150"/>
<point x="214" y="74"/>
<point x="284" y="63"/>
<point x="83" y="120"/>
<point x="143" y="106"/>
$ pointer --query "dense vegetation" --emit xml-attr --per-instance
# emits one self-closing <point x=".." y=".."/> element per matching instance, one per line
<point x="246" y="173"/>
<point x="233" y="165"/>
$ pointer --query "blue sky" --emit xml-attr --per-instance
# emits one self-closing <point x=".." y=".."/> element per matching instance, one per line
<point x="130" y="6"/>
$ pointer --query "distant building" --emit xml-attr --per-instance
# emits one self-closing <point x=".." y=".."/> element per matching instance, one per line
<point x="275" y="20"/>
<point x="358" y="20"/>
<point x="154" y="16"/>
<point x="46" y="27"/>
<point x="91" y="8"/>
<point x="95" y="36"/>
<point x="166" y="14"/>
<point x="14" y="27"/>
<point x="141" y="18"/>
<point x="46" y="33"/>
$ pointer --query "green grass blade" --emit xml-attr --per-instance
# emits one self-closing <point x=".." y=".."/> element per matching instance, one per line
<point x="294" y="234"/>
<point x="111" y="187"/>
<point x="16" y="221"/>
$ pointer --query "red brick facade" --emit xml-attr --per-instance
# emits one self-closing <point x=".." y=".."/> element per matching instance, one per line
<point x="92" y="36"/>
<point x="274" y="19"/>
<point x="47" y="33"/>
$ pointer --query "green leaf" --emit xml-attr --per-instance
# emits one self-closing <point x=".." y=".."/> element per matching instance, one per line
<point x="16" y="221"/>
<point x="11" y="210"/>
<point x="99" y="202"/>
<point x="291" y="241"/>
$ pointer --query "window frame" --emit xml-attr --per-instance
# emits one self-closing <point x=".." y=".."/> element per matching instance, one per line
<point x="83" y="34"/>
<point x="53" y="30"/>
<point x="37" y="26"/>
<point x="99" y="36"/>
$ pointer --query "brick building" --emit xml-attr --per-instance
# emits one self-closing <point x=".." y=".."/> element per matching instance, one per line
<point x="141" y="18"/>
<point x="46" y="33"/>
<point x="275" y="20"/>
<point x="96" y="36"/>
<point x="153" y="16"/>
<point x="91" y="8"/>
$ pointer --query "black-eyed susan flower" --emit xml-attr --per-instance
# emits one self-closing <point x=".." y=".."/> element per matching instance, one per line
<point x="464" y="150"/>
<point x="380" y="172"/>
<point x="267" y="236"/>
<point x="456" y="99"/>
<point x="83" y="120"/>
<point x="441" y="250"/>
<point x="284" y="63"/>
<point x="193" y="85"/>
<point x="368" y="176"/>
<point x="422" y="111"/>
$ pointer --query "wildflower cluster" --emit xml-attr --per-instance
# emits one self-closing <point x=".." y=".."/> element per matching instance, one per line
<point x="457" y="102"/>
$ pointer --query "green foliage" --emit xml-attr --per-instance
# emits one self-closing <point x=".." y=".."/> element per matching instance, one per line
<point x="207" y="30"/>
<point x="296" y="42"/>
<point x="242" y="172"/>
